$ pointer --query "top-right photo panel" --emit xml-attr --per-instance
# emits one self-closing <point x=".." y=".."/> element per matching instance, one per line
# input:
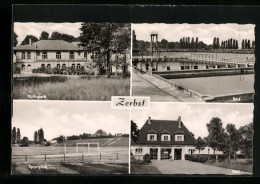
<point x="193" y="62"/>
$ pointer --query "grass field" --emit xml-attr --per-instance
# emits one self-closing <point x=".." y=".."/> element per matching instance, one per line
<point x="71" y="88"/>
<point x="143" y="169"/>
<point x="70" y="168"/>
<point x="238" y="164"/>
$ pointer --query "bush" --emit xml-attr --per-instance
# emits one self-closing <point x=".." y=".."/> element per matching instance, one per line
<point x="147" y="159"/>
<point x="24" y="142"/>
<point x="197" y="158"/>
<point x="48" y="143"/>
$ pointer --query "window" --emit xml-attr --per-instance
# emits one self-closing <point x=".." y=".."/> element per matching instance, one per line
<point x="44" y="55"/>
<point x="64" y="66"/>
<point x="58" y="66"/>
<point x="166" y="137"/>
<point x="195" y="67"/>
<point x="23" y="55"/>
<point x="168" y="68"/>
<point x="43" y="66"/>
<point x="71" y="55"/>
<point x="85" y="55"/>
<point x="28" y="55"/>
<point x="152" y="137"/>
<point x="139" y="150"/>
<point x="37" y="53"/>
<point x="58" y="55"/>
<point x="73" y="66"/>
<point x="179" y="137"/>
<point x="187" y="67"/>
<point x="182" y="67"/>
<point x="78" y="66"/>
<point x="48" y="66"/>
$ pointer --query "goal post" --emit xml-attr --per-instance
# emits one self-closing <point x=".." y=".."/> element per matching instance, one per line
<point x="88" y="146"/>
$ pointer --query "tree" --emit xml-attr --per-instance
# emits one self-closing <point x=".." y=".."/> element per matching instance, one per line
<point x="35" y="137"/>
<point x="24" y="142"/>
<point x="246" y="143"/>
<point x="164" y="43"/>
<point x="200" y="144"/>
<point x="100" y="133"/>
<point x="103" y="38"/>
<point x="40" y="136"/>
<point x="14" y="136"/>
<point x="233" y="140"/>
<point x="134" y="132"/>
<point x="26" y="40"/>
<point x="135" y="46"/>
<point x="60" y="139"/>
<point x="15" y="41"/>
<point x="216" y="134"/>
<point x="18" y="136"/>
<point x="44" y="36"/>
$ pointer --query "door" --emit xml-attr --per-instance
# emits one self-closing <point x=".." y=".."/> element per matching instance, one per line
<point x="177" y="154"/>
<point x="165" y="153"/>
<point x="154" y="153"/>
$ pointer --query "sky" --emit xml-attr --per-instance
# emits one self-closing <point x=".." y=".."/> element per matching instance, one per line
<point x="205" y="32"/>
<point x="33" y="28"/>
<point x="196" y="116"/>
<point x="68" y="118"/>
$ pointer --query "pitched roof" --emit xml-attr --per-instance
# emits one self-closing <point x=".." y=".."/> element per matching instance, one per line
<point x="49" y="45"/>
<point x="160" y="126"/>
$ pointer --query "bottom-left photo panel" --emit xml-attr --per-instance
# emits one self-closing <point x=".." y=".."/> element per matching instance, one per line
<point x="69" y="137"/>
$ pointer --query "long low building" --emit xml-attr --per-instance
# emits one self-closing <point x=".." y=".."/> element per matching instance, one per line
<point x="58" y="54"/>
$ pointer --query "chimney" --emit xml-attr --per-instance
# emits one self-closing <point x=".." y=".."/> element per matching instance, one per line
<point x="179" y="122"/>
<point x="149" y="120"/>
<point x="30" y="41"/>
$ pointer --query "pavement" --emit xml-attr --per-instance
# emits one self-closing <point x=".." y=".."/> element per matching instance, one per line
<point x="158" y="90"/>
<point x="188" y="167"/>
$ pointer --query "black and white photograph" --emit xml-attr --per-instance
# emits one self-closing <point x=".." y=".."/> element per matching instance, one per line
<point x="193" y="62"/>
<point x="191" y="138"/>
<point x="69" y="137"/>
<point x="71" y="61"/>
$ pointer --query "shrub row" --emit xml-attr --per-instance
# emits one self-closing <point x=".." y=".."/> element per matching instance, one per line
<point x="202" y="158"/>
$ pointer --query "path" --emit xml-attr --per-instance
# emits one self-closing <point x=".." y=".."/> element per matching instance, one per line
<point x="141" y="87"/>
<point x="188" y="167"/>
<point x="158" y="90"/>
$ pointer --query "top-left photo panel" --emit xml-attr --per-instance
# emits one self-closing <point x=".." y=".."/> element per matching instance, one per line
<point x="71" y="61"/>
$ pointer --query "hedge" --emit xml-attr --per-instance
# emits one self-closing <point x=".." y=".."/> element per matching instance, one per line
<point x="202" y="158"/>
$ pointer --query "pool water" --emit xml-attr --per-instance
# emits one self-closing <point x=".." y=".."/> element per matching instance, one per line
<point x="219" y="85"/>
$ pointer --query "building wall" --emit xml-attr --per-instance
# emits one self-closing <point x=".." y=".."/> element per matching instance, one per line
<point x="208" y="150"/>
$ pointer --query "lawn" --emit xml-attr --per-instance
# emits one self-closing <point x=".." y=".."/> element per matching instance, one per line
<point x="71" y="88"/>
<point x="143" y="169"/>
<point x="70" y="168"/>
<point x="237" y="164"/>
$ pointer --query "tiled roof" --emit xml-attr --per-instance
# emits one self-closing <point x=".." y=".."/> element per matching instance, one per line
<point x="60" y="60"/>
<point x="160" y="126"/>
<point x="49" y="45"/>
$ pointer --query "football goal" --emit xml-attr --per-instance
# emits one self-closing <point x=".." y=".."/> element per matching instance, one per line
<point x="81" y="147"/>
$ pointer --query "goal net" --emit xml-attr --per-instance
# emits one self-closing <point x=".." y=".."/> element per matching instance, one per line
<point x="89" y="148"/>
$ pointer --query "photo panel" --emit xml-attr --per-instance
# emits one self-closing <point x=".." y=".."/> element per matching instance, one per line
<point x="192" y="139"/>
<point x="69" y="137"/>
<point x="193" y="62"/>
<point x="71" y="61"/>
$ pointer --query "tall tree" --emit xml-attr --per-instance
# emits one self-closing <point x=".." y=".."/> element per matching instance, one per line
<point x="44" y="36"/>
<point x="134" y="132"/>
<point x="200" y="144"/>
<point x="216" y="134"/>
<point x="35" y="137"/>
<point x="14" y="136"/>
<point x="24" y="141"/>
<point x="233" y="140"/>
<point x="100" y="133"/>
<point x="246" y="144"/>
<point x="41" y="136"/>
<point x="26" y="40"/>
<point x="15" y="41"/>
<point x="103" y="38"/>
<point x="18" y="136"/>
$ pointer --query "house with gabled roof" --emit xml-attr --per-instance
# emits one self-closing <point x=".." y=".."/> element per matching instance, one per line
<point x="164" y="139"/>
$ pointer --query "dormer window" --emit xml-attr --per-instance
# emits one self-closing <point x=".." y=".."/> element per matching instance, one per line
<point x="151" y="137"/>
<point x="179" y="137"/>
<point x="71" y="55"/>
<point x="165" y="137"/>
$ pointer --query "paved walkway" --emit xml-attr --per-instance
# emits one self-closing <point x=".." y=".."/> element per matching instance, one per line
<point x="141" y="87"/>
<point x="188" y="167"/>
<point x="158" y="90"/>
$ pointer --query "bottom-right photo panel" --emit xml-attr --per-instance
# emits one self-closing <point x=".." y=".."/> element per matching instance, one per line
<point x="191" y="138"/>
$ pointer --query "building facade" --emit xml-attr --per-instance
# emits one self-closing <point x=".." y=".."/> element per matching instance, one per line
<point x="164" y="139"/>
<point x="58" y="54"/>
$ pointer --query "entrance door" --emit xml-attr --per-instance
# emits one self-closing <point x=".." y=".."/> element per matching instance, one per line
<point x="153" y="153"/>
<point x="165" y="153"/>
<point x="147" y="66"/>
<point x="177" y="154"/>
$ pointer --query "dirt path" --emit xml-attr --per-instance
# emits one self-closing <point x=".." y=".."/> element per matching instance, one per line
<point x="188" y="167"/>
